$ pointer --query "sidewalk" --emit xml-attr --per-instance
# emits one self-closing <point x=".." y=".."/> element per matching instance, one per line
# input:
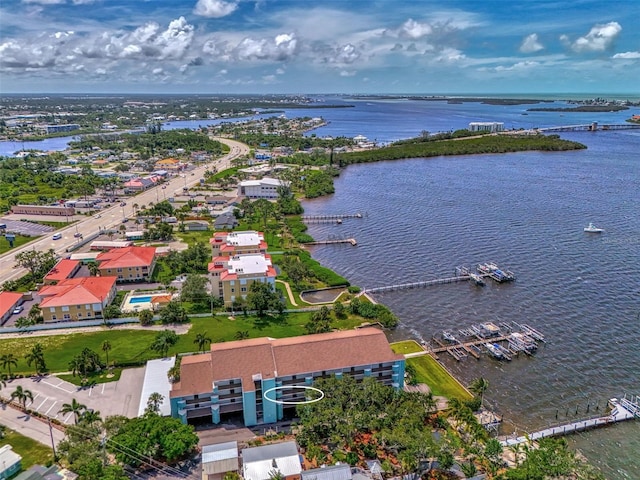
<point x="29" y="426"/>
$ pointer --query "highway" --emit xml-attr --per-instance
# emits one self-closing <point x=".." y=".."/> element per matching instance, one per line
<point x="112" y="217"/>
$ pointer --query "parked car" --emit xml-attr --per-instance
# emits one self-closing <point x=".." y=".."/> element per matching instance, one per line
<point x="18" y="309"/>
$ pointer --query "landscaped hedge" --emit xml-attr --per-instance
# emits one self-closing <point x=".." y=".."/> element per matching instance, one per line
<point x="325" y="275"/>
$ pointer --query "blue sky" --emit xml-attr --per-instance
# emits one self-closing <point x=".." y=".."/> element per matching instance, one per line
<point x="333" y="46"/>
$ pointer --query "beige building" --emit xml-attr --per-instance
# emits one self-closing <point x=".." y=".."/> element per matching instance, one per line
<point x="81" y="298"/>
<point x="128" y="264"/>
<point x="231" y="277"/>
<point x="228" y="244"/>
<point x="43" y="210"/>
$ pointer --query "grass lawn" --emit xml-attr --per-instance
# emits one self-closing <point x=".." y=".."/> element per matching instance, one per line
<point x="407" y="346"/>
<point x="132" y="346"/>
<point x="192" y="237"/>
<point x="440" y="381"/>
<point x="18" y="242"/>
<point x="97" y="378"/>
<point x="32" y="452"/>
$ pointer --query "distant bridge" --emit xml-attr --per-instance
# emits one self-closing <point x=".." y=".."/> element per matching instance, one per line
<point x="590" y="127"/>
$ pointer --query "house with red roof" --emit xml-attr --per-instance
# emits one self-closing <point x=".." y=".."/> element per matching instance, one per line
<point x="128" y="264"/>
<point x="228" y="244"/>
<point x="8" y="301"/>
<point x="64" y="269"/>
<point x="81" y="298"/>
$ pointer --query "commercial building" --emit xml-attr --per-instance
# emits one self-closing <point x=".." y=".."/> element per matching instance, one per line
<point x="128" y="264"/>
<point x="83" y="298"/>
<point x="219" y="459"/>
<point x="67" y="127"/>
<point x="43" y="210"/>
<point x="231" y="379"/>
<point x="264" y="188"/>
<point x="10" y="462"/>
<point x="65" y="268"/>
<point x="231" y="277"/>
<point x="8" y="301"/>
<point x="486" y="127"/>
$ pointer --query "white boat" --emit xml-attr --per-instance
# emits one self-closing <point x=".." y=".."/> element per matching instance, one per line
<point x="591" y="228"/>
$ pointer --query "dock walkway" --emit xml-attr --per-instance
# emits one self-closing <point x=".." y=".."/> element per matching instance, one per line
<point x="626" y="408"/>
<point x="352" y="241"/>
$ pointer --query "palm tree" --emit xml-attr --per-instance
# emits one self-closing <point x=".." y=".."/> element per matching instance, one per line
<point x="89" y="417"/>
<point x="22" y="395"/>
<point x="202" y="339"/>
<point x="36" y="356"/>
<point x="135" y="208"/>
<point x="8" y="360"/>
<point x="94" y="269"/>
<point x="241" y="335"/>
<point x="478" y="387"/>
<point x="153" y="403"/>
<point x="3" y="383"/>
<point x="35" y="314"/>
<point x="106" y="346"/>
<point x="74" y="407"/>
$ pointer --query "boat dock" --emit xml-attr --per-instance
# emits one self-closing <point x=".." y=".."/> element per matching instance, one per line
<point x="502" y="342"/>
<point x="625" y="408"/>
<point x="329" y="218"/>
<point x="352" y="241"/>
<point x="462" y="274"/>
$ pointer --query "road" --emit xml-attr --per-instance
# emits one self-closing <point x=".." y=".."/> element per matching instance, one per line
<point x="29" y="426"/>
<point x="112" y="217"/>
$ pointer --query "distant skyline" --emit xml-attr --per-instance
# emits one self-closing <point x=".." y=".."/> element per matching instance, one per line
<point x="331" y="46"/>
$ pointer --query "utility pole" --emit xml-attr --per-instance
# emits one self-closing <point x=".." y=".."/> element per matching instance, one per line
<point x="53" y="445"/>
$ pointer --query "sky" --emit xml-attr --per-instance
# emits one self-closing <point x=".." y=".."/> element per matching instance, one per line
<point x="322" y="46"/>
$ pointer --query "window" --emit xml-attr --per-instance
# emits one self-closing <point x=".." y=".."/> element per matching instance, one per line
<point x="79" y="315"/>
<point x="66" y="316"/>
<point x="87" y="307"/>
<point x="78" y="307"/>
<point x="52" y="309"/>
<point x="65" y="309"/>
<point x="243" y="289"/>
<point x="119" y="270"/>
<point x="53" y="317"/>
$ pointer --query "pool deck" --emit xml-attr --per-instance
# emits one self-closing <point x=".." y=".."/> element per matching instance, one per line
<point x="129" y="307"/>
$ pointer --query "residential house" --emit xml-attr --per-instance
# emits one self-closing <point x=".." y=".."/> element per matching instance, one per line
<point x="219" y="459"/>
<point x="64" y="269"/>
<point x="261" y="463"/>
<point x="264" y="188"/>
<point x="54" y="472"/>
<point x="128" y="264"/>
<point x="216" y="200"/>
<point x="233" y="377"/>
<point x="10" y="462"/>
<point x="225" y="221"/>
<point x="8" y="301"/>
<point x="81" y="298"/>
<point x="341" y="471"/>
<point x="196" y="226"/>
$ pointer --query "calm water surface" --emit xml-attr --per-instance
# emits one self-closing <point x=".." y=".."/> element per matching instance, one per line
<point x="526" y="211"/>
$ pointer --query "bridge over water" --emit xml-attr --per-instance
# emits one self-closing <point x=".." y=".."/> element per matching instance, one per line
<point x="590" y="127"/>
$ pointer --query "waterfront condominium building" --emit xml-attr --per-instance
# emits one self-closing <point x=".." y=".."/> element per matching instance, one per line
<point x="231" y="277"/>
<point x="83" y="298"/>
<point x="228" y="244"/>
<point x="128" y="264"/>
<point x="231" y="379"/>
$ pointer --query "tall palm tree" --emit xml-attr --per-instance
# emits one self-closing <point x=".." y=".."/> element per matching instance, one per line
<point x="74" y="407"/>
<point x="3" y="383"/>
<point x="36" y="356"/>
<point x="22" y="395"/>
<point x="478" y="387"/>
<point x="202" y="339"/>
<point x="106" y="347"/>
<point x="89" y="417"/>
<point x="94" y="269"/>
<point x="153" y="403"/>
<point x="8" y="360"/>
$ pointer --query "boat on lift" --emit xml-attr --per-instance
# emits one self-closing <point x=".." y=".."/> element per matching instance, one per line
<point x="477" y="279"/>
<point x="591" y="228"/>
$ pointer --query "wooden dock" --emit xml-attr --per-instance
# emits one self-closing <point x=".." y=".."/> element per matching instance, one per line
<point x="626" y="408"/>
<point x="426" y="283"/>
<point x="311" y="218"/>
<point x="352" y="241"/>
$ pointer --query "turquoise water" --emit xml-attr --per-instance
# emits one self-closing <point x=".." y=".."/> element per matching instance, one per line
<point x="134" y="300"/>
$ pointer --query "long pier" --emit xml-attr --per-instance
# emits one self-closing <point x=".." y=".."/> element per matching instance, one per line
<point x="626" y="408"/>
<point x="352" y="241"/>
<point x="306" y="218"/>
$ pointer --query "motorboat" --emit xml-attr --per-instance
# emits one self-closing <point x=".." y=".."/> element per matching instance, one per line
<point x="591" y="228"/>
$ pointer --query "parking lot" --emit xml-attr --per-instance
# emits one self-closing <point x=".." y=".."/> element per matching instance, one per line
<point x="26" y="228"/>
<point x="113" y="398"/>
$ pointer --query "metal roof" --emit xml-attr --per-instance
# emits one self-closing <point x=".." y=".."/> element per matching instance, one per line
<point x="333" y="472"/>
<point x="260" y="462"/>
<point x="156" y="380"/>
<point x="219" y="451"/>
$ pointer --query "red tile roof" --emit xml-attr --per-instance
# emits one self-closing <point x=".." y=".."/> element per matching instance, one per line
<point x="8" y="300"/>
<point x="77" y="291"/>
<point x="62" y="270"/>
<point x="271" y="358"/>
<point x="127" y="257"/>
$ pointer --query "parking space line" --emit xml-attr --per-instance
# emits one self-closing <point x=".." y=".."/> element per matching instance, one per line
<point x="66" y="420"/>
<point x="58" y="386"/>
<point x="43" y="402"/>
<point x="53" y="405"/>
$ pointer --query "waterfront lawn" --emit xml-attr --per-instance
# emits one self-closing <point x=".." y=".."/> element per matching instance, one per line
<point x="19" y="241"/>
<point x="407" y="346"/>
<point x="32" y="452"/>
<point x="131" y="347"/>
<point x="439" y="380"/>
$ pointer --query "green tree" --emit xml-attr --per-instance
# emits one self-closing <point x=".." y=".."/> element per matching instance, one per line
<point x="74" y="407"/>
<point x="164" y="341"/>
<point x="478" y="387"/>
<point x="241" y="335"/>
<point x="111" y="311"/>
<point x="145" y="317"/>
<point x="202" y="340"/>
<point x="320" y="321"/>
<point x="339" y="310"/>
<point x="262" y="297"/>
<point x="8" y="360"/>
<point x="153" y="404"/>
<point x="35" y="314"/>
<point x="194" y="289"/>
<point x="94" y="269"/>
<point x="38" y="263"/>
<point x="106" y="348"/>
<point x="173" y="312"/>
<point x="264" y="209"/>
<point x="35" y="356"/>
<point x="22" y="395"/>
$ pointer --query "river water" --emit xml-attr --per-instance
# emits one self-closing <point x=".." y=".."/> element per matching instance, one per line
<point x="526" y="211"/>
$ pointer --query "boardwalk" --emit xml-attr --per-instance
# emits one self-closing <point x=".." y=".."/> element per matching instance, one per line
<point x="623" y="409"/>
<point x="426" y="283"/>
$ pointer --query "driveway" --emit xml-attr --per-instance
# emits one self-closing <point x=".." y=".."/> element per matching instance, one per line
<point x="113" y="398"/>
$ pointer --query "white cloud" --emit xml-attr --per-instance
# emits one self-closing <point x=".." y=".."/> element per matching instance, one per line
<point x="627" y="55"/>
<point x="599" y="38"/>
<point x="517" y="66"/>
<point x="347" y="73"/>
<point x="414" y="30"/>
<point x="157" y="71"/>
<point x="44" y="2"/>
<point x="214" y="8"/>
<point x="530" y="44"/>
<point x="281" y="47"/>
<point x="450" y="55"/>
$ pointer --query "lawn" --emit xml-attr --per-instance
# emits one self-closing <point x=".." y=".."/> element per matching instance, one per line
<point x="112" y="375"/>
<point x="407" y="346"/>
<point x="439" y="380"/>
<point x="19" y="241"/>
<point x="32" y="452"/>
<point x="129" y="347"/>
<point x="192" y="237"/>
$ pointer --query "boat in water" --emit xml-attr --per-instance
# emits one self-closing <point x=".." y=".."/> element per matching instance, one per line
<point x="591" y="228"/>
<point x="477" y="279"/>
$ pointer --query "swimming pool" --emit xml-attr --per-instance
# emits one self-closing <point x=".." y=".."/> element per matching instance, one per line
<point x="140" y="299"/>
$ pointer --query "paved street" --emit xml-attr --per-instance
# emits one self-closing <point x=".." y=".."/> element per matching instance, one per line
<point x="28" y="426"/>
<point x="112" y="217"/>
